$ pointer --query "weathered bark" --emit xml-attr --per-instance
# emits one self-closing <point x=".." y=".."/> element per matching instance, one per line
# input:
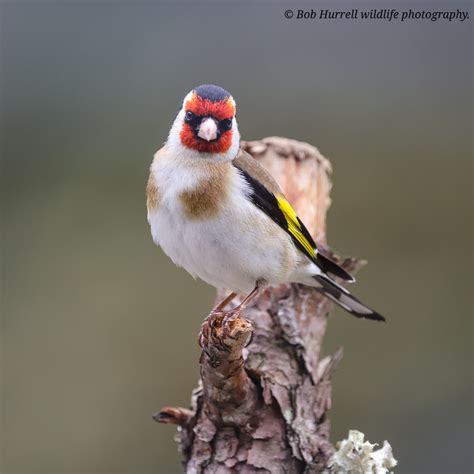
<point x="261" y="405"/>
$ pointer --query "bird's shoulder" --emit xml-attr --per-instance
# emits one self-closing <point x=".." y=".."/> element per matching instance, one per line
<point x="249" y="165"/>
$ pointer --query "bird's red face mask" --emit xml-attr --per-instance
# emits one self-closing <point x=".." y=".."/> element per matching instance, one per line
<point x="207" y="125"/>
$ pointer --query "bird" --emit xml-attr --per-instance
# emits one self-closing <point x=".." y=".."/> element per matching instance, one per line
<point x="220" y="215"/>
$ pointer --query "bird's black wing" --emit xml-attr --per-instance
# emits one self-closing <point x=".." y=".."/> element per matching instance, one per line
<point x="280" y="211"/>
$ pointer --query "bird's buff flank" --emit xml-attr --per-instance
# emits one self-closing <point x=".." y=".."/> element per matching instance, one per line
<point x="220" y="215"/>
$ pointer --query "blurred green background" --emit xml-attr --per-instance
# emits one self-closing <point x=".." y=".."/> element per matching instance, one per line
<point x="99" y="328"/>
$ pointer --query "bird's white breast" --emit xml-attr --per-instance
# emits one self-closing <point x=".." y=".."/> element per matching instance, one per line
<point x="232" y="247"/>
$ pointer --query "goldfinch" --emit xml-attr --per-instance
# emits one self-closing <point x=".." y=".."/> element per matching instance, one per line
<point x="216" y="212"/>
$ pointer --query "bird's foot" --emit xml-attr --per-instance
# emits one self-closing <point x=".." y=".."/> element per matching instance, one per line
<point x="212" y="320"/>
<point x="227" y="320"/>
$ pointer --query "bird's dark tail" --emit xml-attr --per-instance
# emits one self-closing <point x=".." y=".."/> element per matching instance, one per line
<point x="344" y="298"/>
<point x="331" y="267"/>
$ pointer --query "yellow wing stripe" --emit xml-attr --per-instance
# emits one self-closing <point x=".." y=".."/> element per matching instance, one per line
<point x="294" y="226"/>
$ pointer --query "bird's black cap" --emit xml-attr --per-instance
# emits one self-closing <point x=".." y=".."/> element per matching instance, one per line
<point x="212" y="92"/>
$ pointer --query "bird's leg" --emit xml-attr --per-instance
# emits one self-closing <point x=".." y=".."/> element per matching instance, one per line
<point x="210" y="319"/>
<point x="235" y="313"/>
<point x="220" y="306"/>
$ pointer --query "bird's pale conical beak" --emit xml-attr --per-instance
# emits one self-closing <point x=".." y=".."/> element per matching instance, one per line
<point x="208" y="129"/>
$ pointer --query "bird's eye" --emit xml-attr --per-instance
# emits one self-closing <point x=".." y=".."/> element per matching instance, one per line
<point x="189" y="116"/>
<point x="226" y="124"/>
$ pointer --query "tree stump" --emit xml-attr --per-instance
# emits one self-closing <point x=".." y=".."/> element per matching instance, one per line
<point x="262" y="401"/>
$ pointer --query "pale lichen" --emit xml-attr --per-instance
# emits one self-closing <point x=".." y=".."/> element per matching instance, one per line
<point x="356" y="456"/>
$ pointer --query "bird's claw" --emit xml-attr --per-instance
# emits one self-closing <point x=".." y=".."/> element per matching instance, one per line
<point x="206" y="327"/>
<point x="229" y="316"/>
